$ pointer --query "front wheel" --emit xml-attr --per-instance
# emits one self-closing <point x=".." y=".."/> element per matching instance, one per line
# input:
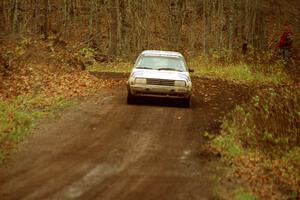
<point x="187" y="102"/>
<point x="130" y="98"/>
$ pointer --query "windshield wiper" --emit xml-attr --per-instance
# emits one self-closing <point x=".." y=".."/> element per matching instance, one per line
<point x="144" y="68"/>
<point x="170" y="69"/>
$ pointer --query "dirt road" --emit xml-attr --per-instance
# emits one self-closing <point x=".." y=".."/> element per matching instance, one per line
<point x="105" y="149"/>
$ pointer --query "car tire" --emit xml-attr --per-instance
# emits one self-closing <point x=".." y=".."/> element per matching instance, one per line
<point x="130" y="98"/>
<point x="187" y="102"/>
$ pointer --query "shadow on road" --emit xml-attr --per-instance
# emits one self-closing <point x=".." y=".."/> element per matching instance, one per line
<point x="160" y="102"/>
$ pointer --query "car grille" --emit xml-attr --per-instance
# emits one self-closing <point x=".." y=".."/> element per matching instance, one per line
<point x="151" y="81"/>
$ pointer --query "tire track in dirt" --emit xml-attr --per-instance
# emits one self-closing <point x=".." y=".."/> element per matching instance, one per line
<point x="106" y="149"/>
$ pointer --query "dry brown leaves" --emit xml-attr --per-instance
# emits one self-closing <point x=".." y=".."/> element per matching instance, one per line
<point x="44" y="68"/>
<point x="49" y="85"/>
<point x="267" y="179"/>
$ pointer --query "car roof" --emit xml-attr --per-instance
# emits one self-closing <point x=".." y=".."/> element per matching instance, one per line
<point x="161" y="53"/>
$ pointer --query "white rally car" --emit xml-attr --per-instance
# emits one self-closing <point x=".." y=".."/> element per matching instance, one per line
<point x="160" y="74"/>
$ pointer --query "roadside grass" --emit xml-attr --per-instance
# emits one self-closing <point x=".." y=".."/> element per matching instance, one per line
<point x="274" y="73"/>
<point x="232" y="191"/>
<point x="229" y="145"/>
<point x="260" y="141"/>
<point x="19" y="116"/>
<point x="240" y="71"/>
<point x="241" y="194"/>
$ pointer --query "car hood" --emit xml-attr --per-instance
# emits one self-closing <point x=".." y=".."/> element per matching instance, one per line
<point x="160" y="74"/>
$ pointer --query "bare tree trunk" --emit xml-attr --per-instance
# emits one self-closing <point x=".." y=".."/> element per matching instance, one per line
<point x="239" y="24"/>
<point x="147" y="8"/>
<point x="75" y="8"/>
<point x="212" y="25"/>
<point x="221" y="23"/>
<point x="261" y="29"/>
<point x="182" y="19"/>
<point x="204" y="26"/>
<point x="138" y="29"/>
<point x="24" y="16"/>
<point x="246" y="20"/>
<point x="231" y="28"/>
<point x="92" y="15"/>
<point x="15" y="17"/>
<point x="253" y="24"/>
<point x="194" y="6"/>
<point x="176" y="15"/>
<point x="2" y="16"/>
<point x="72" y="10"/>
<point x="37" y="16"/>
<point x="125" y="25"/>
<point x="67" y="18"/>
<point x="46" y="22"/>
<point x="113" y="46"/>
<point x="96" y="18"/>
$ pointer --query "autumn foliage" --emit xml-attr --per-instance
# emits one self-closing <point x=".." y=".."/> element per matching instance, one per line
<point x="261" y="138"/>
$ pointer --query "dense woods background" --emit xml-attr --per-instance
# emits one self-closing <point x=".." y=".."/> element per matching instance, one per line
<point x="122" y="27"/>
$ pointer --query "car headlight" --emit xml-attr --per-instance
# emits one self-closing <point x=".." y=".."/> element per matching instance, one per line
<point x="140" y="81"/>
<point x="180" y="84"/>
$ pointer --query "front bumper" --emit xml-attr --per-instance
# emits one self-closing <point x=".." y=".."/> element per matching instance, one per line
<point x="159" y="91"/>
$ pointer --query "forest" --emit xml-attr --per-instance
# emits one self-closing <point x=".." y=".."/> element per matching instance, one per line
<point x="122" y="27"/>
<point x="66" y="131"/>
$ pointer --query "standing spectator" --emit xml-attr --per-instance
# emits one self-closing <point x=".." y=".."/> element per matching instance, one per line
<point x="285" y="43"/>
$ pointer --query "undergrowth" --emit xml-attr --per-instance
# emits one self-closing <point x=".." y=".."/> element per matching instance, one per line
<point x="270" y="123"/>
<point x="274" y="73"/>
<point x="261" y="139"/>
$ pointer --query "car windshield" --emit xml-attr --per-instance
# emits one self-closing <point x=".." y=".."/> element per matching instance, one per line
<point x="161" y="63"/>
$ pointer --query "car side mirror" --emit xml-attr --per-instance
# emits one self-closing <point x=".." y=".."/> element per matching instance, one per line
<point x="191" y="70"/>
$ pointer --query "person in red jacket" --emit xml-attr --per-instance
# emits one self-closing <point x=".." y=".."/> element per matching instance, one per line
<point x="285" y="43"/>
